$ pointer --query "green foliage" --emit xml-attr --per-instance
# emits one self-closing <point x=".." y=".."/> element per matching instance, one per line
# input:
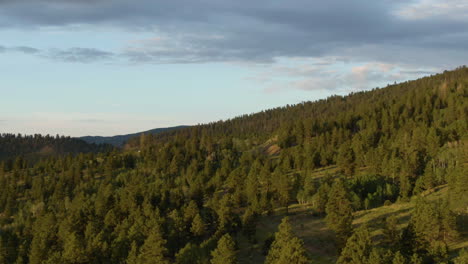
<point x="379" y="256"/>
<point x="198" y="226"/>
<point x="34" y="147"/>
<point x="73" y="250"/>
<point x="189" y="254"/>
<point x="320" y="199"/>
<point x="358" y="248"/>
<point x="458" y="194"/>
<point x="373" y="190"/>
<point x="399" y="258"/>
<point x="431" y="227"/>
<point x="346" y="159"/>
<point x="65" y="201"/>
<point x="153" y="250"/>
<point x="339" y="212"/>
<point x="391" y="232"/>
<point x="462" y="257"/>
<point x="286" y="248"/>
<point x="225" y="252"/>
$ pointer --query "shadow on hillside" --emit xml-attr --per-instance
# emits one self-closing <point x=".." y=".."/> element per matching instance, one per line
<point x="378" y="221"/>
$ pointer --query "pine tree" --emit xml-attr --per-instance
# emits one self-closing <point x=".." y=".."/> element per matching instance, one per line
<point x="448" y="222"/>
<point x="346" y="159"/>
<point x="399" y="258"/>
<point x="73" y="250"/>
<point x="416" y="259"/>
<point x="190" y="211"/>
<point x="358" y="248"/>
<point x="153" y="250"/>
<point x="225" y="252"/>
<point x="198" y="226"/>
<point x="283" y="187"/>
<point x="390" y="232"/>
<point x="425" y="222"/>
<point x="286" y="248"/>
<point x="43" y="239"/>
<point x="339" y="212"/>
<point x="227" y="220"/>
<point x="438" y="251"/>
<point x="189" y="254"/>
<point x="432" y="224"/>
<point x="320" y="199"/>
<point x="458" y="194"/>
<point x="462" y="257"/>
<point x="252" y="188"/>
<point x="379" y="256"/>
<point x="132" y="257"/>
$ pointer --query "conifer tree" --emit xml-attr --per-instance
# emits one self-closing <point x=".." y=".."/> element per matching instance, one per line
<point x="153" y="250"/>
<point x="346" y="159"/>
<point x="339" y="212"/>
<point x="252" y="189"/>
<point x="73" y="250"/>
<point x="283" y="188"/>
<point x="462" y="257"/>
<point x="198" y="226"/>
<point x="225" y="252"/>
<point x="379" y="256"/>
<point x="320" y="199"/>
<point x="432" y="224"/>
<point x="399" y="258"/>
<point x="132" y="257"/>
<point x="44" y="237"/>
<point x="286" y="248"/>
<point x="358" y="248"/>
<point x="416" y="259"/>
<point x="390" y="231"/>
<point x="188" y="255"/>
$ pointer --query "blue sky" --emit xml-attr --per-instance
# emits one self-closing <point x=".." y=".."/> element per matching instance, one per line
<point x="101" y="67"/>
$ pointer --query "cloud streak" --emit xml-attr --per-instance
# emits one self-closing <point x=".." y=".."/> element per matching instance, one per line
<point x="21" y="49"/>
<point x="75" y="54"/>
<point x="81" y="55"/>
<point x="340" y="76"/>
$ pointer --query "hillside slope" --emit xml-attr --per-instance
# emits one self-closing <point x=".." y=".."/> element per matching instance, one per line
<point x="186" y="195"/>
<point x="119" y="140"/>
<point x="35" y="147"/>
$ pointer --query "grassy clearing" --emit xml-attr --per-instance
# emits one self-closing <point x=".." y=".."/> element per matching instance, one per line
<point x="318" y="239"/>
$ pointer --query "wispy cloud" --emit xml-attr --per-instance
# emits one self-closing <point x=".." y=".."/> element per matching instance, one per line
<point x="75" y="54"/>
<point x="82" y="55"/>
<point x="27" y="50"/>
<point x="21" y="49"/>
<point x="430" y="9"/>
<point x="339" y="77"/>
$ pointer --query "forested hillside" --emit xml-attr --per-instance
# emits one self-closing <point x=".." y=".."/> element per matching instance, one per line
<point x="34" y="147"/>
<point x="120" y="140"/>
<point x="209" y="193"/>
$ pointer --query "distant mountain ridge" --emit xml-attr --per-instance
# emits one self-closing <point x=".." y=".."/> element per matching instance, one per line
<point x="120" y="140"/>
<point x="35" y="147"/>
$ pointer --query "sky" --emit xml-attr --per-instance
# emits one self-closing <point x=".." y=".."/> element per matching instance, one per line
<point x="108" y="67"/>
